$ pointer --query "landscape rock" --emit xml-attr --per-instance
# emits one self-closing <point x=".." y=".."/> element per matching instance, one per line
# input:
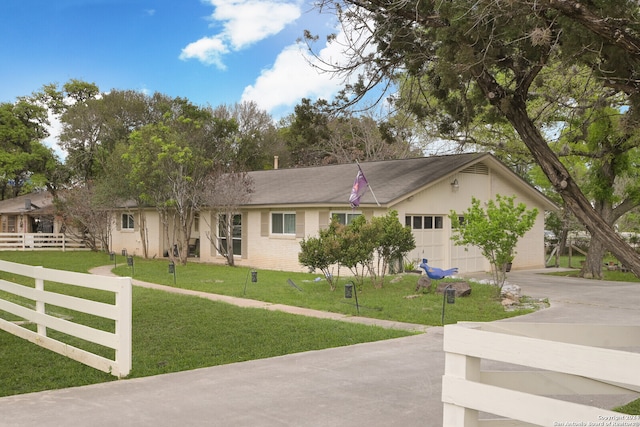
<point x="462" y="288"/>
<point x="424" y="283"/>
<point x="508" y="302"/>
<point x="512" y="292"/>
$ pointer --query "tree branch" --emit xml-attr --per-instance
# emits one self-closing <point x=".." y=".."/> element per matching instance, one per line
<point x="620" y="36"/>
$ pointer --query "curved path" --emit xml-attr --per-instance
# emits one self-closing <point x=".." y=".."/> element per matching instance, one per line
<point x="386" y="383"/>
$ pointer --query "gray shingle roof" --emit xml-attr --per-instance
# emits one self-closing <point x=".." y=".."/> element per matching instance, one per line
<point x="331" y="185"/>
<point x="17" y="205"/>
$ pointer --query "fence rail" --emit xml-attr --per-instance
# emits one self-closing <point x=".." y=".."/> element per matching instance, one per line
<point x="35" y="311"/>
<point x="561" y="360"/>
<point x="39" y="241"/>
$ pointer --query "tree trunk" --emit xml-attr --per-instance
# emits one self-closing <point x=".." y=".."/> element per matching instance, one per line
<point x="575" y="200"/>
<point x="592" y="268"/>
<point x="184" y="223"/>
<point x="564" y="233"/>
<point x="143" y="233"/>
<point x="229" y="242"/>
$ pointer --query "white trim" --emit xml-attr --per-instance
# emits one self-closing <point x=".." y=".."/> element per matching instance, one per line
<point x="131" y="220"/>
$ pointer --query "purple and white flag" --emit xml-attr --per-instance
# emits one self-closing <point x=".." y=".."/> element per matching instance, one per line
<point x="360" y="186"/>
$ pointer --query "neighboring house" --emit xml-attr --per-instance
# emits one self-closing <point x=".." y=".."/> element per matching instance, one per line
<point x="290" y="204"/>
<point x="31" y="213"/>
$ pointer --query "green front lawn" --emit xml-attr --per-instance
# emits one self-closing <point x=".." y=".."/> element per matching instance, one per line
<point x="575" y="263"/>
<point x="171" y="333"/>
<point x="174" y="332"/>
<point x="396" y="300"/>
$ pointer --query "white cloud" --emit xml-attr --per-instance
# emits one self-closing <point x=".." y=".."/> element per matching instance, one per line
<point x="297" y="74"/>
<point x="247" y="22"/>
<point x="208" y="50"/>
<point x="291" y="78"/>
<point x="244" y="22"/>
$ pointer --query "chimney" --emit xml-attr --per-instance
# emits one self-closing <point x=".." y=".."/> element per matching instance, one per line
<point x="27" y="204"/>
<point x="275" y="162"/>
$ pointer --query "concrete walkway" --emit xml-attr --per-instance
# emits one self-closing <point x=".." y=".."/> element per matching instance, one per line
<point x="387" y="383"/>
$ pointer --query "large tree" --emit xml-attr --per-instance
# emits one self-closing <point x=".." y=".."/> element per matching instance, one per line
<point x="171" y="162"/>
<point x="93" y="123"/>
<point x="585" y="124"/>
<point x="494" y="50"/>
<point x="611" y="153"/>
<point x="306" y="132"/>
<point x="315" y="135"/>
<point x="255" y="142"/>
<point x="25" y="162"/>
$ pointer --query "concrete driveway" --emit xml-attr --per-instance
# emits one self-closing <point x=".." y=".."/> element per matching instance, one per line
<point x="388" y="383"/>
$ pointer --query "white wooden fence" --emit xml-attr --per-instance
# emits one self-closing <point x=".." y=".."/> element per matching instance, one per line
<point x="567" y="360"/>
<point x="39" y="241"/>
<point x="36" y="313"/>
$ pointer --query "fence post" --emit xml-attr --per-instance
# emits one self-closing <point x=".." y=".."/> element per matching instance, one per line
<point x="124" y="301"/>
<point x="465" y="367"/>
<point x="40" y="305"/>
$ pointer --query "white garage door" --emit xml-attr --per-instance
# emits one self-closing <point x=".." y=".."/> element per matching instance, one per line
<point x="430" y="238"/>
<point x="467" y="261"/>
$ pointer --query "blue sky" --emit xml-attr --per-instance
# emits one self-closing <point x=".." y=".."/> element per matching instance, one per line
<point x="208" y="51"/>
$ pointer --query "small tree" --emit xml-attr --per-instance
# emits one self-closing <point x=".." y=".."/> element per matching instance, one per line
<point x="358" y="240"/>
<point x="394" y="241"/>
<point x="361" y="246"/>
<point x="85" y="216"/>
<point x="225" y="193"/>
<point x="495" y="231"/>
<point x="322" y="252"/>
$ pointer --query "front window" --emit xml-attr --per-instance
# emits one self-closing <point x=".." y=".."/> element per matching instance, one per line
<point x="9" y="224"/>
<point x="127" y="222"/>
<point x="344" y="218"/>
<point x="236" y="233"/>
<point x="283" y="223"/>
<point x="417" y="223"/>
<point x="424" y="222"/>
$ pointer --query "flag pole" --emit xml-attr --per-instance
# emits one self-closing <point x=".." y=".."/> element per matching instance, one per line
<point x="369" y="184"/>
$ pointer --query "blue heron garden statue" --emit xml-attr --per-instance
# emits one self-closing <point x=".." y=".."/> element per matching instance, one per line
<point x="437" y="273"/>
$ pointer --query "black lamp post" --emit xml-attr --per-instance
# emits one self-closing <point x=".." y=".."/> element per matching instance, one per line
<point x="448" y="297"/>
<point x="172" y="270"/>
<point x="130" y="263"/>
<point x="349" y="290"/>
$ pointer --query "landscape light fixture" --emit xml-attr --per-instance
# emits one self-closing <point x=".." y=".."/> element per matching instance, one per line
<point x="448" y="296"/>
